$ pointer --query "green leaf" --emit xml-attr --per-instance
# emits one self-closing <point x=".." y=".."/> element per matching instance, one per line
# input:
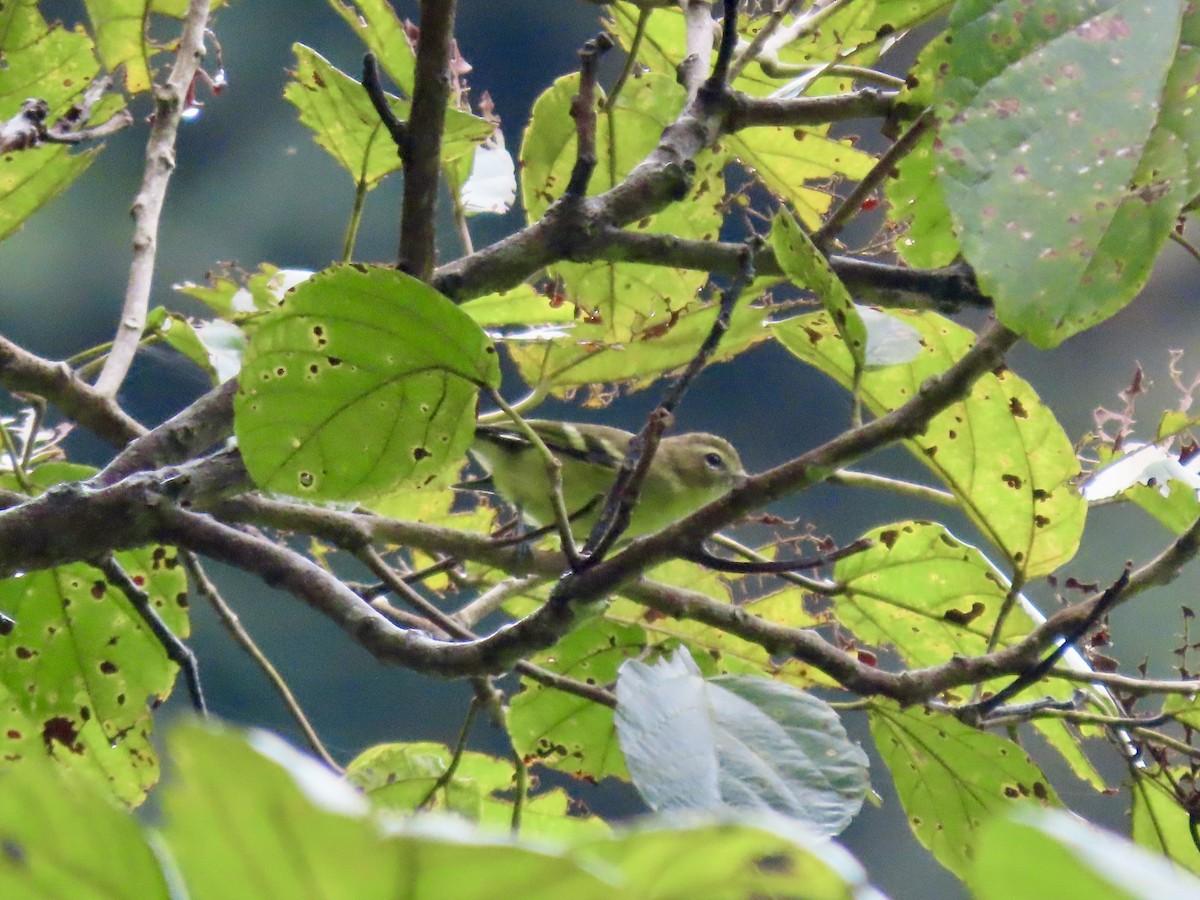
<point x="1050" y="855"/>
<point x="1000" y="451"/>
<point x="54" y="64"/>
<point x="729" y="857"/>
<point x="362" y="380"/>
<point x="80" y="665"/>
<point x="62" y="838"/>
<point x="378" y="26"/>
<point x="1084" y="108"/>
<point x="1158" y="822"/>
<point x="122" y="35"/>
<point x="925" y="593"/>
<point x="628" y="299"/>
<point x="344" y="122"/>
<point x="241" y="296"/>
<point x="30" y="179"/>
<point x="807" y="268"/>
<point x="951" y="778"/>
<point x="216" y="347"/>
<point x="401" y="776"/>
<point x="918" y="201"/>
<point x="522" y="305"/>
<point x="1176" y="512"/>
<point x="255" y="818"/>
<point x="929" y="596"/>
<point x="738" y="742"/>
<point x="585" y="356"/>
<point x="788" y="159"/>
<point x="50" y="62"/>
<point x="562" y="730"/>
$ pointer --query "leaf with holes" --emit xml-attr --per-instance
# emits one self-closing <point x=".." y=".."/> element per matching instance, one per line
<point x="951" y="778"/>
<point x="362" y="380"/>
<point x="54" y="64"/>
<point x="925" y="593"/>
<point x="80" y="666"/>
<point x="344" y="123"/>
<point x="123" y="34"/>
<point x="567" y="732"/>
<point x="380" y="29"/>
<point x="808" y="269"/>
<point x="999" y="450"/>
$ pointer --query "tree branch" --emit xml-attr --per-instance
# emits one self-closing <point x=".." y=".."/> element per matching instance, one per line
<point x="423" y="145"/>
<point x="23" y="372"/>
<point x="583" y="111"/>
<point x="147" y="206"/>
<point x="950" y="289"/>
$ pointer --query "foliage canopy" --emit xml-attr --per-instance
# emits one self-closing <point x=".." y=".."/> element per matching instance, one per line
<point x="1032" y="162"/>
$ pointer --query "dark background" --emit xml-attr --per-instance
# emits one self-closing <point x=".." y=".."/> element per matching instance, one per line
<point x="251" y="187"/>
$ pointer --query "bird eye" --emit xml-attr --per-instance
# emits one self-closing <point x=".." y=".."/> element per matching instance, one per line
<point x="714" y="460"/>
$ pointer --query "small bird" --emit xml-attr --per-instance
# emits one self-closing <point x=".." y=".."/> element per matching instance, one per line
<point x="688" y="471"/>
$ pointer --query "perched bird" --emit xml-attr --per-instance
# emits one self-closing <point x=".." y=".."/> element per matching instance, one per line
<point x="688" y="471"/>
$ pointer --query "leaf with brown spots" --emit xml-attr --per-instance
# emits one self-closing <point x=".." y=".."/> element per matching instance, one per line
<point x="951" y="778"/>
<point x="1000" y="451"/>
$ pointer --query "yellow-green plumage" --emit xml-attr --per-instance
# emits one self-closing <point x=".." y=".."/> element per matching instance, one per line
<point x="688" y="471"/>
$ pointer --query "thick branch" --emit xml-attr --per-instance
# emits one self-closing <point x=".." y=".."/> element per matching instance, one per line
<point x="949" y="289"/>
<point x="185" y="435"/>
<point x="423" y="144"/>
<point x="748" y="112"/>
<point x="147" y="206"/>
<point x="23" y="372"/>
<point x="660" y="179"/>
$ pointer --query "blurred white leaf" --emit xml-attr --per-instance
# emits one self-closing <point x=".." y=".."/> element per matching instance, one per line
<point x="890" y="342"/>
<point x="1143" y="464"/>
<point x="736" y="742"/>
<point x="492" y="187"/>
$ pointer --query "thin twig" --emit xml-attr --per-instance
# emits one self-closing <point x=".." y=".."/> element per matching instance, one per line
<point x="1185" y="244"/>
<point x="881" y="171"/>
<point x="455" y="757"/>
<point x="853" y="478"/>
<point x="177" y="651"/>
<point x="750" y="52"/>
<point x="639" y="33"/>
<point x="1128" y="684"/>
<point x="379" y="99"/>
<point x="823" y="588"/>
<point x="776" y="566"/>
<point x="1098" y="610"/>
<point x="170" y="102"/>
<point x="583" y="111"/>
<point x="720" y="73"/>
<point x="495" y="597"/>
<point x="233" y="625"/>
<point x="451" y="626"/>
